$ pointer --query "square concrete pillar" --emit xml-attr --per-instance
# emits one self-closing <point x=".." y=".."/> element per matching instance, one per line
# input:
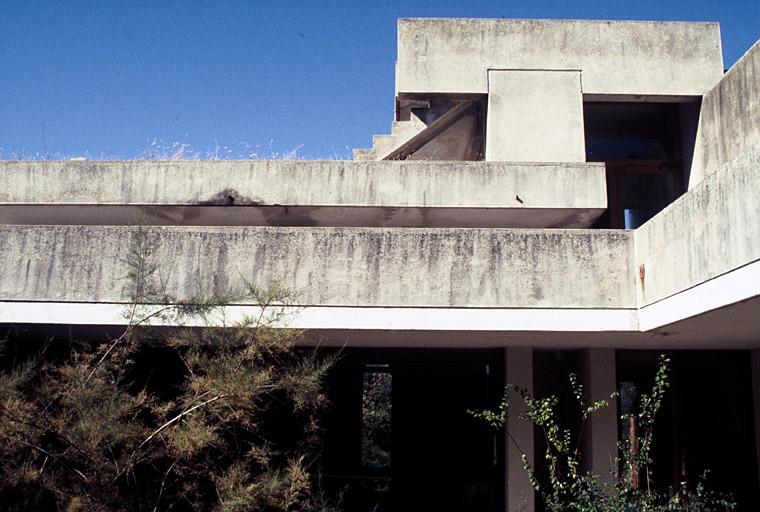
<point x="600" y="438"/>
<point x="518" y="370"/>
<point x="535" y="116"/>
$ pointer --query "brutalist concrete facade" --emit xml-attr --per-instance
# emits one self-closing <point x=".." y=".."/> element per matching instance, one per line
<point x="484" y="220"/>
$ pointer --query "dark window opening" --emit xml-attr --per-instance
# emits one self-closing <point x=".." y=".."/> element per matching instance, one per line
<point x="647" y="150"/>
<point x="377" y="410"/>
<point x="398" y="436"/>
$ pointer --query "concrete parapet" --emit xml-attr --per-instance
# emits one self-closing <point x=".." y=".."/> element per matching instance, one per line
<point x="711" y="230"/>
<point x="730" y="117"/>
<point x="371" y="267"/>
<point x="329" y="193"/>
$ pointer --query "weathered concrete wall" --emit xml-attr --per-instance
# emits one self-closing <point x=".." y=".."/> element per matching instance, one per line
<point x="615" y="57"/>
<point x="730" y="117"/>
<point x="709" y="231"/>
<point x="284" y="193"/>
<point x="331" y="266"/>
<point x="306" y="183"/>
<point x="535" y="116"/>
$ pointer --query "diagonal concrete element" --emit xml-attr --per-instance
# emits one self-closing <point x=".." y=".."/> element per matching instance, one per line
<point x="430" y="132"/>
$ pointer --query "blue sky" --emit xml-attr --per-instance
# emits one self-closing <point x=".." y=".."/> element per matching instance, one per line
<point x="103" y="78"/>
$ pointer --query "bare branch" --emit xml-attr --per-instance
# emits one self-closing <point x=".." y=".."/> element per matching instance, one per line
<point x="177" y="418"/>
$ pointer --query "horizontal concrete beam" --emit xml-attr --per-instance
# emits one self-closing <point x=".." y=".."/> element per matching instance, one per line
<point x="329" y="193"/>
<point x="614" y="57"/>
<point x="736" y="326"/>
<point x="369" y="267"/>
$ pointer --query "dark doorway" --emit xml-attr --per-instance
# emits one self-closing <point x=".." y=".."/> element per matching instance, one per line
<point x="647" y="149"/>
<point x="706" y="422"/>
<point x="399" y="437"/>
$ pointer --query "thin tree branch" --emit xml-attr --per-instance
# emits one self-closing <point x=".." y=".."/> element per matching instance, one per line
<point x="56" y="457"/>
<point x="126" y="332"/>
<point x="177" y="418"/>
<point x="163" y="483"/>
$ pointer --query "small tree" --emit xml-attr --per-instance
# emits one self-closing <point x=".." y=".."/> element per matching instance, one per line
<point x="569" y="488"/>
<point x="194" y="418"/>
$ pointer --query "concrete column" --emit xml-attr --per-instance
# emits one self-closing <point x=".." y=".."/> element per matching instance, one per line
<point x="600" y="437"/>
<point x="755" y="362"/>
<point x="535" y="116"/>
<point x="518" y="370"/>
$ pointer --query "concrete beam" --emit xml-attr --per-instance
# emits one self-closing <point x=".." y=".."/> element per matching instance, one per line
<point x="535" y="116"/>
<point x="615" y="57"/>
<point x="330" y="193"/>
<point x="736" y="326"/>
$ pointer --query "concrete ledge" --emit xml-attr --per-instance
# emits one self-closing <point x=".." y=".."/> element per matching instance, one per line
<point x="732" y="327"/>
<point x="735" y="287"/>
<point x="349" y="318"/>
<point x="286" y="193"/>
<point x="330" y="266"/>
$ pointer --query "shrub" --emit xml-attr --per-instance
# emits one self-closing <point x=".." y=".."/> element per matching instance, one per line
<point x="201" y="418"/>
<point x="569" y="488"/>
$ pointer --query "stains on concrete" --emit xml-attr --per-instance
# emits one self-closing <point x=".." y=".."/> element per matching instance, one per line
<point x="333" y="266"/>
<point x="231" y="197"/>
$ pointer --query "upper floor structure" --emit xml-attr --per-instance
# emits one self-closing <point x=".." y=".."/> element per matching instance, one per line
<point x="494" y="212"/>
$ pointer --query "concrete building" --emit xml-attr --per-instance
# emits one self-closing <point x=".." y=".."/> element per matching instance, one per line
<point x="554" y="196"/>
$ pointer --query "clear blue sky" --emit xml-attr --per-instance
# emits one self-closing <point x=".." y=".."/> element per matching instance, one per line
<point x="104" y="77"/>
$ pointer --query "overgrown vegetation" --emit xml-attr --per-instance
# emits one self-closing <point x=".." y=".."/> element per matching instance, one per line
<point x="569" y="488"/>
<point x="194" y="418"/>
